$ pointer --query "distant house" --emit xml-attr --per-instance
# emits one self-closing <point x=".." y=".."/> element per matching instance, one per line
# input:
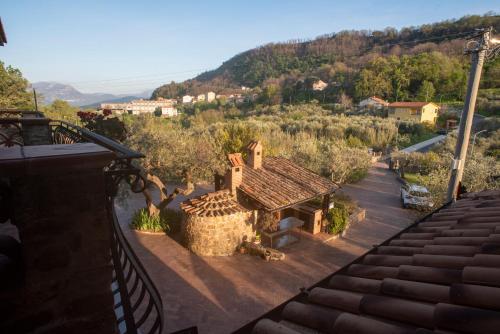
<point x="210" y="96"/>
<point x="200" y="98"/>
<point x="373" y="102"/>
<point x="418" y="111"/>
<point x="187" y="99"/>
<point x="319" y="85"/>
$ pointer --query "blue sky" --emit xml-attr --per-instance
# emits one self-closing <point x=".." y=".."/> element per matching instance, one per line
<point x="129" y="46"/>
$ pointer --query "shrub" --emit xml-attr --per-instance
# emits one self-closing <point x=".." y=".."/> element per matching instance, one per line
<point x="142" y="221"/>
<point x="338" y="218"/>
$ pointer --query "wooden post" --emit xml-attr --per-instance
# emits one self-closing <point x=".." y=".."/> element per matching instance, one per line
<point x="326" y="203"/>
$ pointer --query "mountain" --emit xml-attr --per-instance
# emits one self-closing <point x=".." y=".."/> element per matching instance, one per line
<point x="51" y="91"/>
<point x="336" y="58"/>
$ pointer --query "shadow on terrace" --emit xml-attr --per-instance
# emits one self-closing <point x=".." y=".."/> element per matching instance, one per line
<point x="65" y="265"/>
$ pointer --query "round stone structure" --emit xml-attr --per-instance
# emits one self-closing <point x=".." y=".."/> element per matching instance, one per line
<point x="216" y="224"/>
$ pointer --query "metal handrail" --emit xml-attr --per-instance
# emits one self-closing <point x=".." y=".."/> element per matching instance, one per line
<point x="138" y="305"/>
<point x="122" y="151"/>
<point x="133" y="286"/>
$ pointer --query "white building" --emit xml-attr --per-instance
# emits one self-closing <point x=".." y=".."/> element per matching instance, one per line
<point x="168" y="111"/>
<point x="200" y="98"/>
<point x="319" y="85"/>
<point x="187" y="99"/>
<point x="210" y="96"/>
<point x="373" y="102"/>
<point x="136" y="107"/>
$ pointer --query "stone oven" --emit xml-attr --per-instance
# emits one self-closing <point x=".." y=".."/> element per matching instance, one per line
<point x="216" y="224"/>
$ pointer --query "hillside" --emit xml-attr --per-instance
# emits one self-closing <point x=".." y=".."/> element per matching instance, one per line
<point x="338" y="58"/>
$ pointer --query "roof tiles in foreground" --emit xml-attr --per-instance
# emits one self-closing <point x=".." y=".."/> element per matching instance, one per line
<point x="441" y="275"/>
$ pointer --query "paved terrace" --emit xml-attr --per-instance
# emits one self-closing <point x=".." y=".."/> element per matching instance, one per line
<point x="220" y="294"/>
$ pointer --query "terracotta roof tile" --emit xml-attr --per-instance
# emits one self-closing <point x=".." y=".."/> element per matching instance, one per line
<point x="442" y="275"/>
<point x="213" y="204"/>
<point x="281" y="183"/>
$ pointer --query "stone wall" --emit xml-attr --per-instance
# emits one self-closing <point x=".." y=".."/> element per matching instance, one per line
<point x="217" y="236"/>
<point x="60" y="211"/>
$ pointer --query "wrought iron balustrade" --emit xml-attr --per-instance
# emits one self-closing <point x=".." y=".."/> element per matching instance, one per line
<point x="11" y="132"/>
<point x="138" y="305"/>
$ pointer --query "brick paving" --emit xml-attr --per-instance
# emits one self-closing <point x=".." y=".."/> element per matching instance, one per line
<point x="220" y="294"/>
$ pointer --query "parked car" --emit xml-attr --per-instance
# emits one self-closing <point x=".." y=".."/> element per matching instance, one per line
<point x="416" y="197"/>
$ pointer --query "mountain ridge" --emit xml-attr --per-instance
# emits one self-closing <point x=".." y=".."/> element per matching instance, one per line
<point x="353" y="49"/>
<point x="52" y="90"/>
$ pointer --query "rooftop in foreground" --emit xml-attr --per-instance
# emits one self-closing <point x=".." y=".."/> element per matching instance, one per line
<point x="440" y="275"/>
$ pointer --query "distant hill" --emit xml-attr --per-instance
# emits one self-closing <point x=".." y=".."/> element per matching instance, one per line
<point x="51" y="91"/>
<point x="336" y="58"/>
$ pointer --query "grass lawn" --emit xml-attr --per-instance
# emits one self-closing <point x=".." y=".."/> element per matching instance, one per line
<point x="412" y="177"/>
<point x="417" y="139"/>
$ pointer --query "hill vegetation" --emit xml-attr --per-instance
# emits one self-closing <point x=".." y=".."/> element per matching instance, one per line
<point x="411" y="63"/>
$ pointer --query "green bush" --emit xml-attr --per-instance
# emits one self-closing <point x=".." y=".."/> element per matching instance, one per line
<point x="142" y="221"/>
<point x="338" y="218"/>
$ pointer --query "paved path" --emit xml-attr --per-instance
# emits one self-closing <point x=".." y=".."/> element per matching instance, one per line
<point x="220" y="294"/>
<point x="424" y="144"/>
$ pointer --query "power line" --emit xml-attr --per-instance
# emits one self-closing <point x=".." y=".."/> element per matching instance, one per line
<point x="138" y="76"/>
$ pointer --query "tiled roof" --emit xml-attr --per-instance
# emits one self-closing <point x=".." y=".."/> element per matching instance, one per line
<point x="213" y="204"/>
<point x="235" y="159"/>
<point x="281" y="183"/>
<point x="441" y="275"/>
<point x="408" y="104"/>
<point x="379" y="100"/>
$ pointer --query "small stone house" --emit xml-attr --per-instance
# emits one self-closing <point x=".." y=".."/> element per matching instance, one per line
<point x="277" y="185"/>
<point x="248" y="189"/>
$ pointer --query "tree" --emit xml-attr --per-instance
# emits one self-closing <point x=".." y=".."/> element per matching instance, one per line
<point x="13" y="89"/>
<point x="426" y="91"/>
<point x="60" y="109"/>
<point x="158" y="112"/>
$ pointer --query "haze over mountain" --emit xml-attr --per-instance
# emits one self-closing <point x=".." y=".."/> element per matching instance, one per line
<point x="51" y="91"/>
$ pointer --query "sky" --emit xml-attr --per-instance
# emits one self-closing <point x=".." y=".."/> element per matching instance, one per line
<point x="130" y="46"/>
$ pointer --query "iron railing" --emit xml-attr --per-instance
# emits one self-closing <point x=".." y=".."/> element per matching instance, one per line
<point x="138" y="305"/>
<point x="11" y="132"/>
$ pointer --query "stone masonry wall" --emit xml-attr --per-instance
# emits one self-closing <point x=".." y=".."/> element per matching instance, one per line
<point x="218" y="236"/>
<point x="65" y="240"/>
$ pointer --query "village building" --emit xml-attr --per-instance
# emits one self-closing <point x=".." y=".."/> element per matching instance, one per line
<point x="137" y="107"/>
<point x="373" y="102"/>
<point x="319" y="85"/>
<point x="210" y="96"/>
<point x="258" y="188"/>
<point x="422" y="112"/>
<point x="187" y="99"/>
<point x="200" y="98"/>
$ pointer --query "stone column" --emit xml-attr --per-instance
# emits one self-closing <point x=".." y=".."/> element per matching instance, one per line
<point x="60" y="210"/>
<point x="36" y="131"/>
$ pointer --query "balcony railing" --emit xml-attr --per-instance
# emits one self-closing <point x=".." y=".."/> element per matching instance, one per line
<point x="138" y="305"/>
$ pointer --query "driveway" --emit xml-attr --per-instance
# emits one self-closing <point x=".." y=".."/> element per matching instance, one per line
<point x="221" y="294"/>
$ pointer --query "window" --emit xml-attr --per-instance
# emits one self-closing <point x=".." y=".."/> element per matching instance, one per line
<point x="258" y="153"/>
<point x="237" y="169"/>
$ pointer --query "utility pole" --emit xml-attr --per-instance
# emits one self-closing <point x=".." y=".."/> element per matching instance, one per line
<point x="479" y="48"/>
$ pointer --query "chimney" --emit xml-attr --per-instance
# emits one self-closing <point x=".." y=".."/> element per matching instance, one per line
<point x="234" y="175"/>
<point x="254" y="155"/>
